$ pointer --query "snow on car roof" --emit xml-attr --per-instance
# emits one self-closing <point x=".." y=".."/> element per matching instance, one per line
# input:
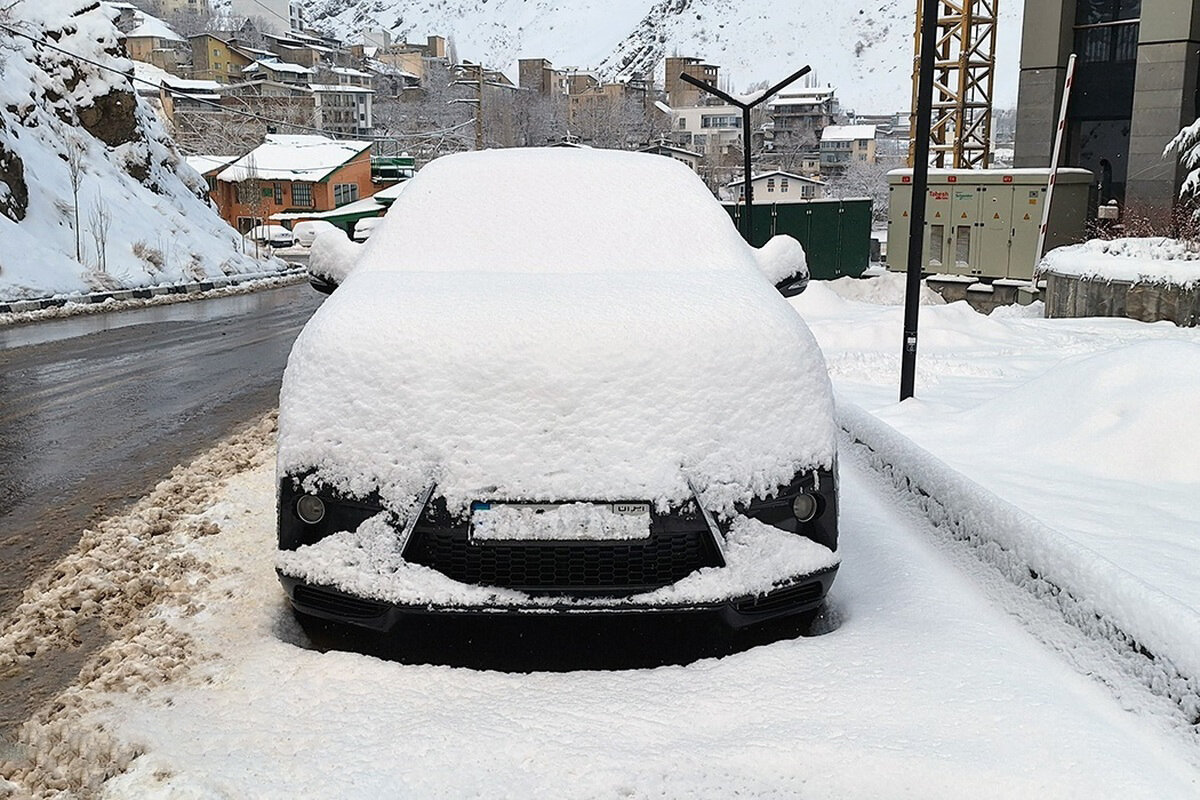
<point x="556" y="210"/>
<point x="505" y="356"/>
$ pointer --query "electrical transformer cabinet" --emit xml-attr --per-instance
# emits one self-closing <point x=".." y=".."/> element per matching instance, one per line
<point x="984" y="223"/>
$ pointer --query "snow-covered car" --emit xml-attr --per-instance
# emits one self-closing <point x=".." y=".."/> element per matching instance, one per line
<point x="365" y="227"/>
<point x="306" y="231"/>
<point x="591" y="399"/>
<point x="272" y="235"/>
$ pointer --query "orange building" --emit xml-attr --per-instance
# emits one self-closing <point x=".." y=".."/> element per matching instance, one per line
<point x="292" y="174"/>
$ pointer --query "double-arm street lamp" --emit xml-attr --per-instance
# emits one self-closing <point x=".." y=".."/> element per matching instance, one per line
<point x="745" y="106"/>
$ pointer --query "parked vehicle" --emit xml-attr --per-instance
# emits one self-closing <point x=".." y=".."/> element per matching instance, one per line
<point x="307" y="230"/>
<point x="558" y="382"/>
<point x="271" y="235"/>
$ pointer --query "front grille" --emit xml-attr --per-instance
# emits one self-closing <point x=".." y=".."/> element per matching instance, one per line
<point x="314" y="598"/>
<point x="782" y="598"/>
<point x="565" y="567"/>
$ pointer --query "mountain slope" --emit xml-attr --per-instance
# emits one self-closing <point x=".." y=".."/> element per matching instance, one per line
<point x="863" y="47"/>
<point x="136" y="214"/>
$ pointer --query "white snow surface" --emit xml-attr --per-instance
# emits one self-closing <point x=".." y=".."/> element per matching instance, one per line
<point x="1137" y="260"/>
<point x="925" y="689"/>
<point x="528" y="362"/>
<point x="294" y="157"/>
<point x="781" y="257"/>
<point x="366" y="562"/>
<point x="1088" y="425"/>
<point x="161" y="227"/>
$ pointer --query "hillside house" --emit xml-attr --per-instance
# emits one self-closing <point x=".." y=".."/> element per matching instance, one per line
<point x="292" y="174"/>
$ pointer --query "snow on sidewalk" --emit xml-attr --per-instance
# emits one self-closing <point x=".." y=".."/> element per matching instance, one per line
<point x="924" y="690"/>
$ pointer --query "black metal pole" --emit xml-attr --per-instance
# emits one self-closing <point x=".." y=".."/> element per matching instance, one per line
<point x="920" y="190"/>
<point x="748" y="190"/>
<point x="748" y="222"/>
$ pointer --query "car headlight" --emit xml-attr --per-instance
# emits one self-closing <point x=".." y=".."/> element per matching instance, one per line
<point x="805" y="507"/>
<point x="310" y="509"/>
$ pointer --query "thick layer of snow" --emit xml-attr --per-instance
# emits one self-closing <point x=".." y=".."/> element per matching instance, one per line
<point x="1089" y="425"/>
<point x="1145" y="260"/>
<point x="295" y="157"/>
<point x="781" y="257"/>
<point x="923" y="690"/>
<point x="333" y="255"/>
<point x="160" y="229"/>
<point x="525" y="361"/>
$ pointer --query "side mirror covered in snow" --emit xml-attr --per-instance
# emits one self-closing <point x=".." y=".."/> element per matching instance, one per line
<point x="331" y="259"/>
<point x="782" y="261"/>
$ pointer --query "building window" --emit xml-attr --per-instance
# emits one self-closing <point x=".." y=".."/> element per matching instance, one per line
<point x="247" y="192"/>
<point x="344" y="193"/>
<point x="1106" y="31"/>
<point x="783" y="184"/>
<point x="683" y="123"/>
<point x="244" y="224"/>
<point x="806" y="191"/>
<point x="278" y="192"/>
<point x="770" y="184"/>
<point x="302" y="194"/>
<point x="720" y="121"/>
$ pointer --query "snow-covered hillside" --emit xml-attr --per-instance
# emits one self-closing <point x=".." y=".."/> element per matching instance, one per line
<point x="86" y="170"/>
<point x="863" y="47"/>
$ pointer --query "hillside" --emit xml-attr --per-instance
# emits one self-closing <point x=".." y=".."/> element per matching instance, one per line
<point x="86" y="170"/>
<point x="863" y="48"/>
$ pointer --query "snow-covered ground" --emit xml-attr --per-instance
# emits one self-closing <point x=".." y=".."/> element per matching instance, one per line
<point x="929" y="682"/>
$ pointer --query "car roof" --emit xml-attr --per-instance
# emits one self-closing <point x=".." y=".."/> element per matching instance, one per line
<point x="555" y="210"/>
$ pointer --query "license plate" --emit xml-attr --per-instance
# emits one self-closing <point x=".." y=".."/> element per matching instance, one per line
<point x="559" y="521"/>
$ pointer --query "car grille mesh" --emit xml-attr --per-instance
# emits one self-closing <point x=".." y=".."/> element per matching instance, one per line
<point x="336" y="603"/>
<point x="565" y="567"/>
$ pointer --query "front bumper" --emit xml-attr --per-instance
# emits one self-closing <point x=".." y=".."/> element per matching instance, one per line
<point x="804" y="593"/>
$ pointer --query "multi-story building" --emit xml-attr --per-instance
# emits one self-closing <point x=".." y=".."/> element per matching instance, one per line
<point x="712" y="130"/>
<point x="680" y="93"/>
<point x="799" y="115"/>
<point x="539" y="75"/>
<point x="843" y="145"/>
<point x="215" y="59"/>
<point x="1135" y="86"/>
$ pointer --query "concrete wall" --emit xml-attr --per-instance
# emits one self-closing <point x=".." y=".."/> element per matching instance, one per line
<point x="1046" y="41"/>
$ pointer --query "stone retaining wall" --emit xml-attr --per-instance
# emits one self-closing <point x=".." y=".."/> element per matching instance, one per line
<point x="1075" y="296"/>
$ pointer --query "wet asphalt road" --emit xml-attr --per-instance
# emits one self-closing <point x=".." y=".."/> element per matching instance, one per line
<point x="89" y="424"/>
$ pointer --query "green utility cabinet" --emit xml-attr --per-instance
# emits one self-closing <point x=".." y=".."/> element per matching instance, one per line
<point x="835" y="234"/>
<point x="984" y="223"/>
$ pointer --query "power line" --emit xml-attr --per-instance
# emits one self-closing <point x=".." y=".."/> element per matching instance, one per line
<point x="239" y="112"/>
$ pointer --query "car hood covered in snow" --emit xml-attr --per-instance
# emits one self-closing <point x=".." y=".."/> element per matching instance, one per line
<point x="556" y="325"/>
<point x="551" y="387"/>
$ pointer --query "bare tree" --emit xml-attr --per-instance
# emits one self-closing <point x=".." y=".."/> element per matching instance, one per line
<point x="100" y="220"/>
<point x="864" y="179"/>
<point x="75" y="175"/>
<point x="249" y="192"/>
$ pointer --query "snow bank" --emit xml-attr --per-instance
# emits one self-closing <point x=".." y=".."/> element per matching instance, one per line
<point x="585" y="341"/>
<point x="1092" y="592"/>
<point x="143" y="214"/>
<point x="781" y="257"/>
<point x="1149" y="260"/>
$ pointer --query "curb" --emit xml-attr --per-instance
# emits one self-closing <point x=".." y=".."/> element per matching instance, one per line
<point x="143" y="293"/>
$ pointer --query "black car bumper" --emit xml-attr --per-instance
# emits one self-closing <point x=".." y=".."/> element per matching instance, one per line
<point x="803" y="594"/>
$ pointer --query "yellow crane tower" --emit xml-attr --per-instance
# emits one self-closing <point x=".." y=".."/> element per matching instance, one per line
<point x="964" y="65"/>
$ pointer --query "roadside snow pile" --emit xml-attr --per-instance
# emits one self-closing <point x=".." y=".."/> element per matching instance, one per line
<point x="86" y="167"/>
<point x="887" y="289"/>
<point x="1125" y="414"/>
<point x="1149" y="260"/>
<point x="1157" y="636"/>
<point x="585" y="341"/>
<point x="131" y="574"/>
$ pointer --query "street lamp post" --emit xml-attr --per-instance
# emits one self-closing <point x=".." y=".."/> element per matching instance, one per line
<point x="748" y="190"/>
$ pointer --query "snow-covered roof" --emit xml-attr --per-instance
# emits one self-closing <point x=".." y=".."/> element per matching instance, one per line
<point x="193" y="86"/>
<point x="275" y="65"/>
<point x="153" y="27"/>
<point x="204" y="163"/>
<point x="778" y="173"/>
<point x="294" y="158"/>
<point x="847" y="133"/>
<point x="349" y="71"/>
<point x="340" y="87"/>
